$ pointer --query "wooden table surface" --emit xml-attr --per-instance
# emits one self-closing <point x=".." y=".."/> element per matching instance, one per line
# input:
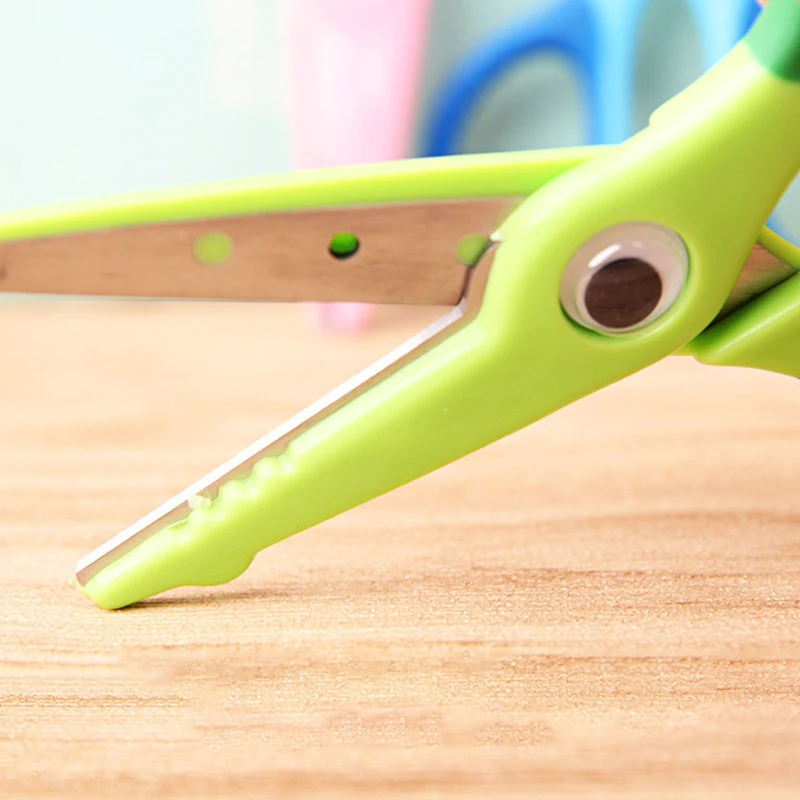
<point x="604" y="605"/>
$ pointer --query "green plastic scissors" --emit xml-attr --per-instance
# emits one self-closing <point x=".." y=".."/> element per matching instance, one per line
<point x="566" y="271"/>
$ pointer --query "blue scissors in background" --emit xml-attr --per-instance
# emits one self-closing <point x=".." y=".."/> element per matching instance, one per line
<point x="600" y="39"/>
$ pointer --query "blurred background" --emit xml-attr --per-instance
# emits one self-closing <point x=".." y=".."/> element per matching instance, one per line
<point x="101" y="97"/>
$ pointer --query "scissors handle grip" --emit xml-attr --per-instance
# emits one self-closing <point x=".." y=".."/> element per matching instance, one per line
<point x="566" y="28"/>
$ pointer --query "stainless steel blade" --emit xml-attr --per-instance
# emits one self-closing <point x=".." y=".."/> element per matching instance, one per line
<point x="407" y="254"/>
<point x="762" y="271"/>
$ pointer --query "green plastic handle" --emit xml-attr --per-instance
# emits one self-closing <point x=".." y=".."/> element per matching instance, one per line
<point x="711" y="167"/>
<point x="415" y="180"/>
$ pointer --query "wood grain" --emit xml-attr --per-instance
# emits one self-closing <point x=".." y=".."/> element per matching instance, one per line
<point x="605" y="605"/>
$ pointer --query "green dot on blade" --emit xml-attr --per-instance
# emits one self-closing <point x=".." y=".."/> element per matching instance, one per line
<point x="343" y="245"/>
<point x="471" y="248"/>
<point x="212" y="249"/>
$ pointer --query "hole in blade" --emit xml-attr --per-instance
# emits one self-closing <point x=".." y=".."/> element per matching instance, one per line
<point x="343" y="245"/>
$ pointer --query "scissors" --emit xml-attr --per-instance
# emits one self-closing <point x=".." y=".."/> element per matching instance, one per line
<point x="599" y="38"/>
<point x="565" y="271"/>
